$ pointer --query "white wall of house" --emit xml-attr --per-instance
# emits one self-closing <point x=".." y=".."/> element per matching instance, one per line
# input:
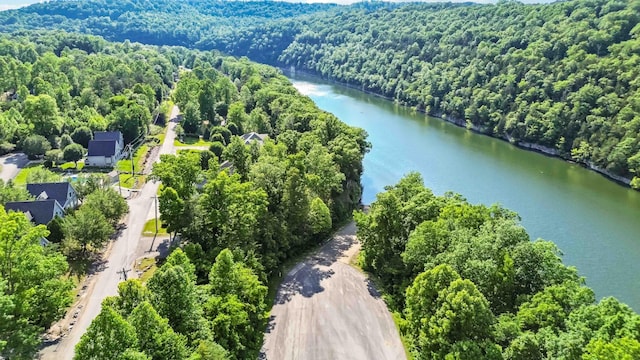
<point x="101" y="161"/>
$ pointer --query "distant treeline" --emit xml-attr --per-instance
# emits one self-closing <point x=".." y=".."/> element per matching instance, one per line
<point x="561" y="76"/>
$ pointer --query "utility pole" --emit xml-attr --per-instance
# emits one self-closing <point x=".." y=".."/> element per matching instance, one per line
<point x="119" y="185"/>
<point x="155" y="198"/>
<point x="133" y="170"/>
<point x="124" y="273"/>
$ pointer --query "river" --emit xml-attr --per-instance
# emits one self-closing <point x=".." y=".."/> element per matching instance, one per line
<point x="594" y="221"/>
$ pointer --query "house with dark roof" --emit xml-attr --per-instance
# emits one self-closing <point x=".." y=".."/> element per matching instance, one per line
<point x="105" y="149"/>
<point x="63" y="192"/>
<point x="252" y="136"/>
<point x="41" y="212"/>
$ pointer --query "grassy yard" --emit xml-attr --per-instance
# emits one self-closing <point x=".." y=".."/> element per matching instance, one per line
<point x="147" y="266"/>
<point x="150" y="228"/>
<point x="132" y="181"/>
<point x="124" y="165"/>
<point x="72" y="165"/>
<point x="21" y="178"/>
<point x="191" y="141"/>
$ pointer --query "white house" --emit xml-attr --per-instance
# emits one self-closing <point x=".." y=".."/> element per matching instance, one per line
<point x="41" y="212"/>
<point x="63" y="192"/>
<point x="105" y="149"/>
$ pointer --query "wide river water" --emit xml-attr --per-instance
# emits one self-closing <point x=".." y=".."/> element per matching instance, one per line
<point x="594" y="221"/>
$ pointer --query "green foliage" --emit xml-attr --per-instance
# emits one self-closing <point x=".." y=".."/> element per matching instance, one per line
<point x="33" y="292"/>
<point x="179" y="172"/>
<point x="87" y="226"/>
<point x="217" y="149"/>
<point x="238" y="226"/>
<point x="10" y="192"/>
<point x="82" y="136"/>
<point x="209" y="351"/>
<point x="108" y="202"/>
<point x="172" y="210"/>
<point x="130" y="118"/>
<point x="155" y="336"/>
<point x="73" y="152"/>
<point x="174" y="295"/>
<point x="560" y="76"/>
<point x="319" y="217"/>
<point x="237" y="308"/>
<point x="108" y="337"/>
<point x="42" y="175"/>
<point x="238" y="155"/>
<point x="35" y="145"/>
<point x="41" y="112"/>
<point x="472" y="285"/>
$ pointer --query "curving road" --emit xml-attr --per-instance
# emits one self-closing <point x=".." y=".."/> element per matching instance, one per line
<point x="326" y="309"/>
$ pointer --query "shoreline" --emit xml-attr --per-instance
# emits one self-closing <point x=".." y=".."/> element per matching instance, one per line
<point x="540" y="149"/>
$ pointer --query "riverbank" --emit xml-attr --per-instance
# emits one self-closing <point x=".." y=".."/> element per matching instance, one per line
<point x="541" y="149"/>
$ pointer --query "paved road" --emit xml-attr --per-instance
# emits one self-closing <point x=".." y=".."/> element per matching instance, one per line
<point x="326" y="309"/>
<point x="11" y="165"/>
<point x="124" y="252"/>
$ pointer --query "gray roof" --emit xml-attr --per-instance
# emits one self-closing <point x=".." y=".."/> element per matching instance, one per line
<point x="249" y="137"/>
<point x="102" y="148"/>
<point x="107" y="135"/>
<point x="57" y="190"/>
<point x="42" y="211"/>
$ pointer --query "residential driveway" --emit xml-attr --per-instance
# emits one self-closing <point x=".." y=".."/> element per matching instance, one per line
<point x="11" y="165"/>
<point x="326" y="309"/>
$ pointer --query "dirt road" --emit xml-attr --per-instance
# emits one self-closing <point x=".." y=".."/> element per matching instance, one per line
<point x="326" y="309"/>
<point x="124" y="251"/>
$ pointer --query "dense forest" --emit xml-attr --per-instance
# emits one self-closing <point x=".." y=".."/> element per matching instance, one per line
<point x="242" y="209"/>
<point x="60" y="88"/>
<point x="239" y="225"/>
<point x="466" y="282"/>
<point x="559" y="78"/>
<point x="56" y="90"/>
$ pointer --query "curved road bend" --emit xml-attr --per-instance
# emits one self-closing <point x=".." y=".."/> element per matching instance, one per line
<point x="326" y="309"/>
<point x="122" y="255"/>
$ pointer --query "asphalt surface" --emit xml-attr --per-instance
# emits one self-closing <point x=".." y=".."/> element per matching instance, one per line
<point x="124" y="251"/>
<point x="11" y="165"/>
<point x="326" y="309"/>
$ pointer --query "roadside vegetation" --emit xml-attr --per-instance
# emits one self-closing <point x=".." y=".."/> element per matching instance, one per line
<point x="240" y="224"/>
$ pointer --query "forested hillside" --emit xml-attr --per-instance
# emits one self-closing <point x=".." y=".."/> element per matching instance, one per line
<point x="559" y="76"/>
<point x="239" y="221"/>
<point x="467" y="282"/>
<point x="55" y="90"/>
<point x="242" y="209"/>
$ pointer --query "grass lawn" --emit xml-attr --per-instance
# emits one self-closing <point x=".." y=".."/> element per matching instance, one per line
<point x="132" y="181"/>
<point x="72" y="165"/>
<point x="147" y="266"/>
<point x="150" y="228"/>
<point x="21" y="178"/>
<point x="191" y="141"/>
<point x="161" y="136"/>
<point x="124" y="165"/>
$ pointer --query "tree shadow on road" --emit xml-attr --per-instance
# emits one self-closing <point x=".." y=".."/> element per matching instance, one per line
<point x="372" y="289"/>
<point x="306" y="282"/>
<point x="306" y="277"/>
